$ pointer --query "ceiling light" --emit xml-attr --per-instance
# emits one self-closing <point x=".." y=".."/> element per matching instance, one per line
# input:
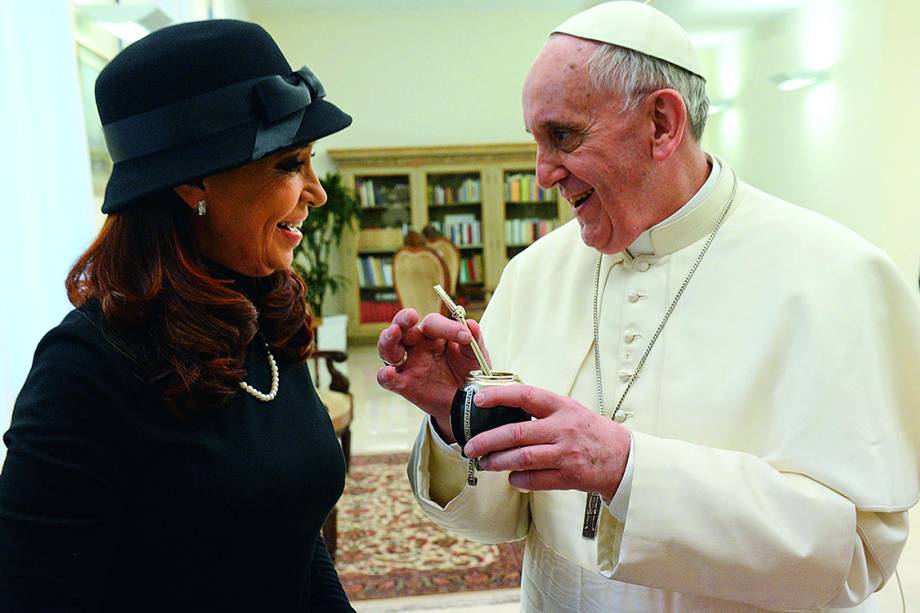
<point x="127" y="22"/>
<point x="788" y="83"/>
<point x="127" y="31"/>
<point x="717" y="106"/>
<point x="796" y="83"/>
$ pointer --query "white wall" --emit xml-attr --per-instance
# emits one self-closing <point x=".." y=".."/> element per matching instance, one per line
<point x="420" y="77"/>
<point x="845" y="147"/>
<point x="423" y="77"/>
<point x="899" y="99"/>
<point x="194" y="10"/>
<point x="47" y="214"/>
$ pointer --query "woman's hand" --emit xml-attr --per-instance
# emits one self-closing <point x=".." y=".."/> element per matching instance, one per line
<point x="428" y="361"/>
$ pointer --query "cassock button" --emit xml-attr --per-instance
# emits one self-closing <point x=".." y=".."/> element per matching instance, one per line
<point x="642" y="265"/>
<point x="633" y="296"/>
<point x="625" y="375"/>
<point x="630" y="336"/>
<point x="620" y="417"/>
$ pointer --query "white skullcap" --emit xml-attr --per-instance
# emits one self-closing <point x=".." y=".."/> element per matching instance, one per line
<point x="636" y="26"/>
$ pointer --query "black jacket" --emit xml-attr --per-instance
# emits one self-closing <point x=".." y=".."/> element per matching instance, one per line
<point x="108" y="502"/>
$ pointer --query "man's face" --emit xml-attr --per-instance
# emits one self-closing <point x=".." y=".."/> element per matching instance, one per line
<point x="598" y="155"/>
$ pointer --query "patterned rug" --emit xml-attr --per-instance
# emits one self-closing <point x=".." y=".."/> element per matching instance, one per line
<point x="387" y="548"/>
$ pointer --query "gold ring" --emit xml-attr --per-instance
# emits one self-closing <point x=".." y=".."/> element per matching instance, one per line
<point x="402" y="362"/>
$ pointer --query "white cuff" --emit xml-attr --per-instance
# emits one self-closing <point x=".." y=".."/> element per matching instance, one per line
<point x="441" y="444"/>
<point x="620" y="501"/>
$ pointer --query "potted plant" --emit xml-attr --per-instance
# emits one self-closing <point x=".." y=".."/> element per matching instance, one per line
<point x="322" y="232"/>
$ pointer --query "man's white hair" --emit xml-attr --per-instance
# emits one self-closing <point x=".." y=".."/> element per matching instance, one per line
<point x="635" y="75"/>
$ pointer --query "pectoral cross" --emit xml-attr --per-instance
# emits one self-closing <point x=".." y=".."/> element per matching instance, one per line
<point x="592" y="515"/>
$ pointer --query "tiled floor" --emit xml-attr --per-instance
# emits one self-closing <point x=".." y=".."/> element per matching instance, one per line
<point x="385" y="422"/>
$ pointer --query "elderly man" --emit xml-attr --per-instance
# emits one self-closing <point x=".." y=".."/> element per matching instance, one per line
<point x="724" y="381"/>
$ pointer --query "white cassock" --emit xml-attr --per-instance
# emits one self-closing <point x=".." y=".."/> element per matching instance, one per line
<point x="775" y="424"/>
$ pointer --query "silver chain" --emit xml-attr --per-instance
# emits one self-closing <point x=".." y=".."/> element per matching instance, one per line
<point x="635" y="375"/>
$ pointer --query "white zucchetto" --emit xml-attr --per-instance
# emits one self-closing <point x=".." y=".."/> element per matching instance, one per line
<point x="636" y="26"/>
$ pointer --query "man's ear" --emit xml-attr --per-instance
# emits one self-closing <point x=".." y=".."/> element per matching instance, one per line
<point x="191" y="193"/>
<point x="668" y="113"/>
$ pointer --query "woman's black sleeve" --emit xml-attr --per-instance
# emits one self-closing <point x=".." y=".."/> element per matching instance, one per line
<point x="326" y="593"/>
<point x="59" y="503"/>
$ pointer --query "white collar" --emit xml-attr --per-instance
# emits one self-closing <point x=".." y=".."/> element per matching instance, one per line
<point x="643" y="243"/>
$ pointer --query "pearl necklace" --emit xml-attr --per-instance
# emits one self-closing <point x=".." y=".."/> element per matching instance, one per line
<point x="275" y="379"/>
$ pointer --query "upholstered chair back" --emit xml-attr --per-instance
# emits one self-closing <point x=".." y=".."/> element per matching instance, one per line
<point x="416" y="270"/>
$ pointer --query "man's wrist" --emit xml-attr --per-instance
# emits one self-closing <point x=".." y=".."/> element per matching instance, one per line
<point x="619" y="504"/>
<point x="443" y="430"/>
<point x="623" y="457"/>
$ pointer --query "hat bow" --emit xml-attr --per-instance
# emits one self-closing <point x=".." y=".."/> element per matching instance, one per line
<point x="283" y="103"/>
<point x="279" y="97"/>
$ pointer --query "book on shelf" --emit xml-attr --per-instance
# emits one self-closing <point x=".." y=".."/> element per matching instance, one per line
<point x="375" y="271"/>
<point x="372" y="311"/>
<point x="365" y="191"/>
<point x="470" y="269"/>
<point x="382" y="193"/>
<point x="526" y="231"/>
<point x="387" y="270"/>
<point x="466" y="193"/>
<point x="523" y="187"/>
<point x="462" y="230"/>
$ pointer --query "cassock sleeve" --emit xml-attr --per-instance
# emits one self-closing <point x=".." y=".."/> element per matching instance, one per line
<point x="326" y="593"/>
<point x="59" y="502"/>
<point x="491" y="511"/>
<point x="727" y="525"/>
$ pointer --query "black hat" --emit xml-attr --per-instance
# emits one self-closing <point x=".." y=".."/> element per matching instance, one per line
<point x="197" y="98"/>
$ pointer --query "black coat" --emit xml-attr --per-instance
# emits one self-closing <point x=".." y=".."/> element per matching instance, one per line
<point x="110" y="503"/>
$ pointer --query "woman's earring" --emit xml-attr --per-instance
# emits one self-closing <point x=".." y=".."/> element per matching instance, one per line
<point x="202" y="208"/>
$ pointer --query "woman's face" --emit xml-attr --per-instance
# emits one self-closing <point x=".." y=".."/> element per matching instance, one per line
<point x="254" y="211"/>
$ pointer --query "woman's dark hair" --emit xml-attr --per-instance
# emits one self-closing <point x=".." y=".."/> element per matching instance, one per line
<point x="185" y="329"/>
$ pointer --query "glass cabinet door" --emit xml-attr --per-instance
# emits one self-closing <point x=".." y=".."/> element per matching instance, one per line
<point x="455" y="210"/>
<point x="385" y="219"/>
<point x="531" y="212"/>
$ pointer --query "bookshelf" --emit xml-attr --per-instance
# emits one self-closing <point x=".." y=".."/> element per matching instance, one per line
<point x="531" y="212"/>
<point x="455" y="209"/>
<point x="483" y="197"/>
<point x="385" y="218"/>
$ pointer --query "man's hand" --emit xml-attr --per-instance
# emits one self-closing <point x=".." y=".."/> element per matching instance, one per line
<point x="567" y="447"/>
<point x="438" y="359"/>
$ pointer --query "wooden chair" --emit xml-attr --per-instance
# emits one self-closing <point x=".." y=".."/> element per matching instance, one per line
<point x="416" y="270"/>
<point x="451" y="256"/>
<point x="340" y="405"/>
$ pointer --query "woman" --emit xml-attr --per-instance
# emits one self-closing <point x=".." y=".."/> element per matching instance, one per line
<point x="168" y="451"/>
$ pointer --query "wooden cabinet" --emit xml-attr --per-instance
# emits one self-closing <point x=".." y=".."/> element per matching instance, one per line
<point x="483" y="197"/>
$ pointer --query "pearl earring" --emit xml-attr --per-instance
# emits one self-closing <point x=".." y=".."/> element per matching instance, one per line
<point x="202" y="208"/>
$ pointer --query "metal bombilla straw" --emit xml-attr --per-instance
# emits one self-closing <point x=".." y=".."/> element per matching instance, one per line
<point x="459" y="313"/>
